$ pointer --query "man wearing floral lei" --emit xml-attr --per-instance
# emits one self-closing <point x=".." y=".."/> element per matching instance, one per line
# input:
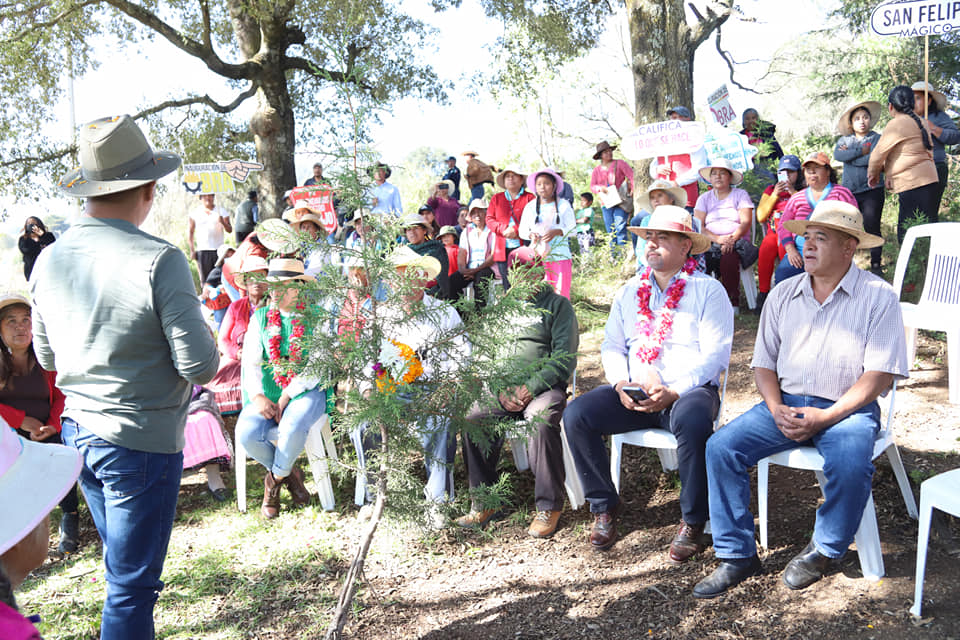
<point x="667" y="341"/>
<point x="281" y="404"/>
<point x="413" y="331"/>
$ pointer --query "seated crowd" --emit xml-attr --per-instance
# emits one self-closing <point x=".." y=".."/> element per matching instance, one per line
<point x="667" y="341"/>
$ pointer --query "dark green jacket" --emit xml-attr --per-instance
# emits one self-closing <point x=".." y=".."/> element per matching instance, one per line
<point x="555" y="336"/>
<point x="435" y="248"/>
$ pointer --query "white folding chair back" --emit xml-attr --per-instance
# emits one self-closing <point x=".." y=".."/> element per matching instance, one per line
<point x="939" y="305"/>
<point x="939" y="492"/>
<point x="655" y="438"/>
<point x="319" y="448"/>
<point x="868" y="535"/>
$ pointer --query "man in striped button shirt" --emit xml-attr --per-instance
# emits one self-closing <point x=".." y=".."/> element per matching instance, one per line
<point x="830" y="341"/>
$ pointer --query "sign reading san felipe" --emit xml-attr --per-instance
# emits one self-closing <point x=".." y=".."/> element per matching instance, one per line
<point x="319" y="199"/>
<point x="916" y="18"/>
<point x="670" y="137"/>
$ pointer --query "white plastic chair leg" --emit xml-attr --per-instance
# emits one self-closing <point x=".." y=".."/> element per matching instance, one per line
<point x="519" y="447"/>
<point x="953" y="365"/>
<point x="571" y="478"/>
<point x="896" y="462"/>
<point x="668" y="459"/>
<point x="923" y="540"/>
<point x="616" y="453"/>
<point x="749" y="287"/>
<point x="911" y="335"/>
<point x="868" y="543"/>
<point x="360" y="488"/>
<point x="317" y="448"/>
<point x="240" y="468"/>
<point x="763" y="472"/>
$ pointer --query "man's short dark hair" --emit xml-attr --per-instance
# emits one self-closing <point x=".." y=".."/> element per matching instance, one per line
<point x="252" y="194"/>
<point x="586" y="195"/>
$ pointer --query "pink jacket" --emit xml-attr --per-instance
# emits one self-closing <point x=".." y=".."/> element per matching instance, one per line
<point x="601" y="175"/>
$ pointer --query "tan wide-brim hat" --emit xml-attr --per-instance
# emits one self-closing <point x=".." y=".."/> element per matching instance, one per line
<point x="841" y="216"/>
<point x="676" y="219"/>
<point x="938" y="98"/>
<point x="283" y="269"/>
<point x="677" y="193"/>
<point x="8" y="299"/>
<point x="404" y="256"/>
<point x="34" y="477"/>
<point x="251" y="264"/>
<point x="477" y="203"/>
<point x="469" y="153"/>
<point x="722" y="163"/>
<point x="359" y="215"/>
<point x="845" y="127"/>
<point x="511" y="169"/>
<point x="302" y="214"/>
<point x="115" y="156"/>
<point x="413" y="220"/>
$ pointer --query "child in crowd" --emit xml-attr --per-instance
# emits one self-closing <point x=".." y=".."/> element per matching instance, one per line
<point x="584" y="228"/>
<point x="448" y="236"/>
<point x="463" y="219"/>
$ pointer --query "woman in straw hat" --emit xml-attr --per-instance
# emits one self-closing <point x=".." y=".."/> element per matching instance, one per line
<point x="305" y="219"/>
<point x="821" y="180"/>
<point x="606" y="181"/>
<point x="503" y="216"/>
<point x="941" y="126"/>
<point x="547" y="221"/>
<point x="905" y="155"/>
<point x="857" y="141"/>
<point x="283" y="403"/>
<point x="725" y="212"/>
<point x="34" y="477"/>
<point x="30" y="401"/>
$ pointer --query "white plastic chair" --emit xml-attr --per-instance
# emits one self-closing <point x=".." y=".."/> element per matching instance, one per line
<point x="939" y="305"/>
<point x="868" y="535"/>
<point x="654" y="438"/>
<point x="518" y="445"/>
<point x="319" y="448"/>
<point x="940" y="492"/>
<point x="749" y="283"/>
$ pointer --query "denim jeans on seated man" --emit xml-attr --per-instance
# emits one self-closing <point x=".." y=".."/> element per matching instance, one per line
<point x="132" y="497"/>
<point x="258" y="434"/>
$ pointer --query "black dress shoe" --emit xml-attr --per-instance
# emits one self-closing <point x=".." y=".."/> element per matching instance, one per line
<point x="730" y="573"/>
<point x="220" y="495"/>
<point x="807" y="567"/>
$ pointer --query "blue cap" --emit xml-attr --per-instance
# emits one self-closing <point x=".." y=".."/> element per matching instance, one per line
<point x="680" y="111"/>
<point x="791" y="162"/>
<point x="451" y="158"/>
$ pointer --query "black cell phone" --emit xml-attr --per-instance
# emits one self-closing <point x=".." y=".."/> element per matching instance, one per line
<point x="636" y="393"/>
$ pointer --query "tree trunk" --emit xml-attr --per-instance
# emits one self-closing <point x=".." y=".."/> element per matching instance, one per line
<point x="272" y="125"/>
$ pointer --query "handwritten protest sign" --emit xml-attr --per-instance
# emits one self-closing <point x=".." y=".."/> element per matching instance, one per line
<point x="720" y="108"/>
<point x="217" y="177"/>
<point x="724" y="143"/>
<point x="317" y="198"/>
<point x="916" y="18"/>
<point x="666" y="138"/>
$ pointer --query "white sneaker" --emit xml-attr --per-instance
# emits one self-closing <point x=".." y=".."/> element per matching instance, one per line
<point x="435" y="519"/>
<point x="736" y="311"/>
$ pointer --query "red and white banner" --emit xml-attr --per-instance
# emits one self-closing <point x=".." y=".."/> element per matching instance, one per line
<point x="318" y="198"/>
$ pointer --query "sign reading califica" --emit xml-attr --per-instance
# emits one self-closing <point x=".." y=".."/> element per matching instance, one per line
<point x="916" y="18"/>
<point x="662" y="139"/>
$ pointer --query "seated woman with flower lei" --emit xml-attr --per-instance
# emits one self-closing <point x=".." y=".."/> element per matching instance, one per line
<point x="281" y="405"/>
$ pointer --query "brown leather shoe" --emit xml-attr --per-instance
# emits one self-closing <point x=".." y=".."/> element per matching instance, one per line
<point x="298" y="490"/>
<point x="686" y="543"/>
<point x="604" y="532"/>
<point x="271" y="496"/>
<point x="544" y="524"/>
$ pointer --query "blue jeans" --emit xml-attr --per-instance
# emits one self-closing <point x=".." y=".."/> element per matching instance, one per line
<point x="847" y="450"/>
<point x="615" y="222"/>
<point x="476" y="192"/>
<point x="258" y="434"/>
<point x="785" y="270"/>
<point x="132" y="496"/>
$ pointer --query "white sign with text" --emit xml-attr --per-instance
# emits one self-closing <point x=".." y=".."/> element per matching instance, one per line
<point x="916" y="18"/>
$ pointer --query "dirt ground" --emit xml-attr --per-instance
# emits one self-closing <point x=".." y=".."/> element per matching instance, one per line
<point x="503" y="584"/>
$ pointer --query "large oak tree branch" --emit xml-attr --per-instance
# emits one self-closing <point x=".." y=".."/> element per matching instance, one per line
<point x="302" y="64"/>
<point x="176" y="38"/>
<point x="204" y="100"/>
<point x="706" y="24"/>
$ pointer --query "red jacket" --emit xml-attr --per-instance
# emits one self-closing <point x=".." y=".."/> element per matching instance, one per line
<point x="499" y="215"/>
<point x="14" y="417"/>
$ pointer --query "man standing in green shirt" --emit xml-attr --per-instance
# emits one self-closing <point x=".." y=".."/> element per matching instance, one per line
<point x="116" y="315"/>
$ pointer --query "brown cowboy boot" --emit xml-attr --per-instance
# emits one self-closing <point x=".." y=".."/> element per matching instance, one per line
<point x="271" y="496"/>
<point x="298" y="491"/>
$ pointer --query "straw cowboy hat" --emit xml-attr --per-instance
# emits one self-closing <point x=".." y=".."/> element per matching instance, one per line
<point x="34" y="477"/>
<point x="603" y="146"/>
<point x="841" y="216"/>
<point x="503" y="174"/>
<point x="469" y="153"/>
<point x="359" y="215"/>
<point x="845" y="126"/>
<point x="677" y="193"/>
<point x="7" y="299"/>
<point x="477" y="203"/>
<point x="115" y="156"/>
<point x="722" y="163"/>
<point x="676" y="219"/>
<point x="938" y="98"/>
<point x="251" y="264"/>
<point x="404" y="256"/>
<point x="532" y="180"/>
<point x="300" y="214"/>
<point x="222" y="254"/>
<point x="414" y="219"/>
<point x="284" y="269"/>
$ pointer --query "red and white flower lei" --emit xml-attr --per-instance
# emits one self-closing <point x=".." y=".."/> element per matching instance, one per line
<point x="283" y="371"/>
<point x="656" y="326"/>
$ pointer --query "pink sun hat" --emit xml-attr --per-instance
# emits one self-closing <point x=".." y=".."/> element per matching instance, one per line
<point x="532" y="180"/>
<point x="34" y="477"/>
